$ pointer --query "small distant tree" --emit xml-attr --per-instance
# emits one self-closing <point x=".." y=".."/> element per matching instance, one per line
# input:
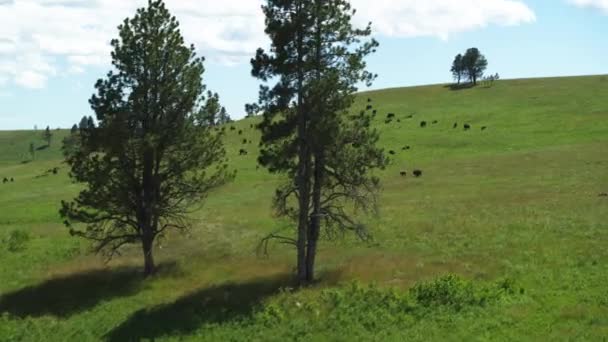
<point x="47" y="136"/>
<point x="223" y="117"/>
<point x="84" y="123"/>
<point x="69" y="143"/>
<point x="212" y="113"/>
<point x="457" y="68"/>
<point x="149" y="160"/>
<point x="474" y="64"/>
<point x="32" y="151"/>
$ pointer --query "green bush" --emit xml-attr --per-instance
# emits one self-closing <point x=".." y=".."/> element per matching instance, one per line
<point x="16" y="241"/>
<point x="456" y="293"/>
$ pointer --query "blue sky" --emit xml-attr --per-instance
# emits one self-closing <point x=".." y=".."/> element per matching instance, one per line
<point x="52" y="51"/>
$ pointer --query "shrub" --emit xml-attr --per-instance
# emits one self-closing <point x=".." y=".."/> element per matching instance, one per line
<point x="16" y="241"/>
<point x="457" y="293"/>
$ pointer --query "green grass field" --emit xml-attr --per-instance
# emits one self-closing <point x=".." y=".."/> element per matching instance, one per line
<point x="517" y="204"/>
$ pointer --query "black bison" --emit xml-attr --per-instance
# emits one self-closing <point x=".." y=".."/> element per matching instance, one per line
<point x="244" y="141"/>
<point x="375" y="112"/>
<point x="423" y="124"/>
<point x="403" y="173"/>
<point x="435" y="122"/>
<point x="242" y="152"/>
<point x="232" y="128"/>
<point x="603" y="194"/>
<point x="250" y="142"/>
<point x="398" y="120"/>
<point x="240" y="132"/>
<point x="390" y="115"/>
<point x="417" y="173"/>
<point x="406" y="148"/>
<point x="369" y="100"/>
<point x="251" y="126"/>
<point x="387" y="121"/>
<point x="484" y="128"/>
<point x="12" y="180"/>
<point x="5" y="180"/>
<point x="369" y="107"/>
<point x="455" y="125"/>
<point x="391" y="152"/>
<point x="467" y="127"/>
<point x="409" y="116"/>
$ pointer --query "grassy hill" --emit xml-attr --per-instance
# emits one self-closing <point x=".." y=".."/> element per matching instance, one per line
<point x="518" y="201"/>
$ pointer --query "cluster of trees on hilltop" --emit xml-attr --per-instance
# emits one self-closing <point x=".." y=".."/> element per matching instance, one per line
<point x="470" y="66"/>
<point x="152" y="154"/>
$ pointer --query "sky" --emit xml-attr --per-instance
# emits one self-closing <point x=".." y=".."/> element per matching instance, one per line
<point x="53" y="51"/>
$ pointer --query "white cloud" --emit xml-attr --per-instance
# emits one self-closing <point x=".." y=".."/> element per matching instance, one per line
<point x="37" y="34"/>
<point x="597" y="4"/>
<point x="31" y="79"/>
<point x="440" y="18"/>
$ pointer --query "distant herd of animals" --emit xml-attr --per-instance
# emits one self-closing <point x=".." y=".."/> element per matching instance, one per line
<point x="53" y="171"/>
<point x="389" y="118"/>
<point x="423" y="124"/>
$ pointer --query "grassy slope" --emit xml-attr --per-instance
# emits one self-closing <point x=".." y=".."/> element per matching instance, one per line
<point x="519" y="200"/>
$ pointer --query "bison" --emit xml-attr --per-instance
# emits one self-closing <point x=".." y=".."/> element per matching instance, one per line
<point x="417" y="173"/>
<point x="455" y="125"/>
<point x="242" y="152"/>
<point x="391" y="152"/>
<point x="467" y="127"/>
<point x="423" y="124"/>
<point x="484" y="128"/>
<point x="403" y="173"/>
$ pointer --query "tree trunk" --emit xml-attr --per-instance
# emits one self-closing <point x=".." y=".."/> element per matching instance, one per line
<point x="149" y="267"/>
<point x="303" y="176"/>
<point x="315" y="221"/>
<point x="315" y="224"/>
<point x="147" y="222"/>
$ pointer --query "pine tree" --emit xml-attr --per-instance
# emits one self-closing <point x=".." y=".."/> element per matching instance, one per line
<point x="327" y="155"/>
<point x="457" y="68"/>
<point x="47" y="136"/>
<point x="474" y="64"/>
<point x="149" y="159"/>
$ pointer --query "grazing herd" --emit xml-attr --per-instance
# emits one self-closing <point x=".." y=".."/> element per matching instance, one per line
<point x="423" y="124"/>
<point x="6" y="180"/>
<point x="390" y="117"/>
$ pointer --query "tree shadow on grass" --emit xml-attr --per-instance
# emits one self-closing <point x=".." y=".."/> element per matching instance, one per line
<point x="217" y="304"/>
<point x="461" y="86"/>
<point x="67" y="295"/>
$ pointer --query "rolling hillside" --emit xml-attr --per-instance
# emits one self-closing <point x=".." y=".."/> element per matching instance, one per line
<point x="517" y="200"/>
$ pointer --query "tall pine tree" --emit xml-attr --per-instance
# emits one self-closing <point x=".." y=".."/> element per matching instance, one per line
<point x="318" y="59"/>
<point x="150" y="159"/>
